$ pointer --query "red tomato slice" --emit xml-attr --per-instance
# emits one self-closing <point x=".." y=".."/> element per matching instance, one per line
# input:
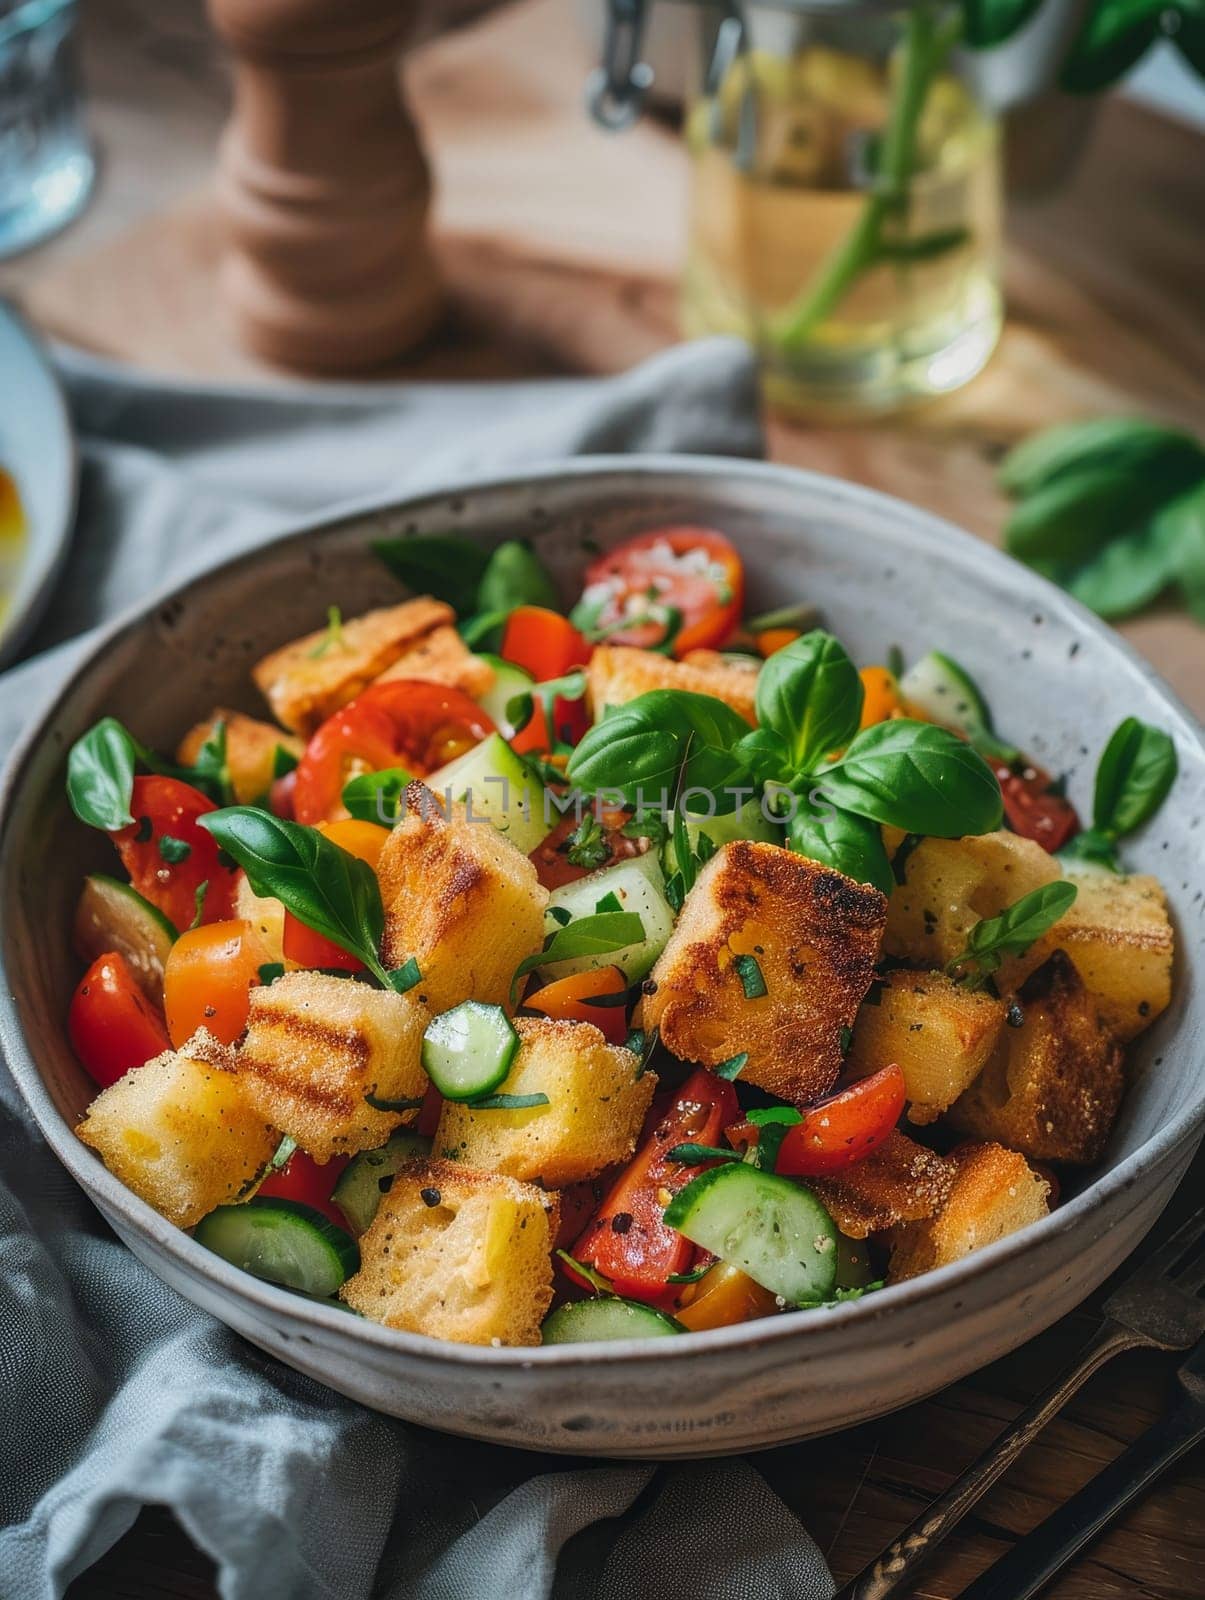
<point x="550" y="857"/>
<point x="548" y="646"/>
<point x="404" y="723"/>
<point x="1033" y="810"/>
<point x="837" y="1132"/>
<point x="429" y="1113"/>
<point x="112" y="1025"/>
<point x="168" y="857"/>
<point x="628" y="1241"/>
<point x="694" y="571"/>
<point x="301" y="1178"/>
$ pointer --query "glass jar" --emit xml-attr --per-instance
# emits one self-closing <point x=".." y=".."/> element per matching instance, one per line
<point x="845" y="206"/>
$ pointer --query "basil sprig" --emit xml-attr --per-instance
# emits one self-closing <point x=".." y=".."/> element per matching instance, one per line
<point x="377" y="796"/>
<point x="1012" y="933"/>
<point x="664" y="743"/>
<point x="598" y="935"/>
<point x="324" y="886"/>
<point x="482" y="587"/>
<point x="520" y="708"/>
<point x="1113" y="509"/>
<point x="101" y="765"/>
<point x="1133" y="778"/>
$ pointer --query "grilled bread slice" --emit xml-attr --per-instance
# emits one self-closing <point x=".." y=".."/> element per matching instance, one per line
<point x="619" y="673"/>
<point x="901" y="1181"/>
<point x="762" y="918"/>
<point x="596" y="1107"/>
<point x="458" y="1255"/>
<point x="442" y="656"/>
<point x="306" y="681"/>
<point x="994" y="1193"/>
<point x="318" y="1046"/>
<point x="181" y="1131"/>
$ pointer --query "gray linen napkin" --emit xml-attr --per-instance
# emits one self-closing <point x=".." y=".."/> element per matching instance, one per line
<point x="114" y="1392"/>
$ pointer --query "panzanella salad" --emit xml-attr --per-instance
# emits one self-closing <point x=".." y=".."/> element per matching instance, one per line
<point x="530" y="977"/>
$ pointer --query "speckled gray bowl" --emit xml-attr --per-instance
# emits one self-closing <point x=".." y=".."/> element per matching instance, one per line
<point x="882" y="573"/>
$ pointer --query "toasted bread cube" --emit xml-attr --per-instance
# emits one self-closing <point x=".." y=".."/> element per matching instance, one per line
<point x="994" y="1193"/>
<point x="251" y="747"/>
<point x="181" y="1132"/>
<point x="1053" y="1086"/>
<point x="901" y="1181"/>
<point x="317" y="1046"/>
<point x="618" y="673"/>
<point x="442" y="656"/>
<point x="461" y="900"/>
<point x="306" y="681"/>
<point x="810" y="933"/>
<point x="951" y="884"/>
<point x="1120" y="938"/>
<point x="459" y="1255"/>
<point x="265" y="914"/>
<point x="596" y="1107"/>
<point x="939" y="1034"/>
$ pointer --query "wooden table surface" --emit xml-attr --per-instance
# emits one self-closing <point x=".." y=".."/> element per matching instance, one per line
<point x="560" y="246"/>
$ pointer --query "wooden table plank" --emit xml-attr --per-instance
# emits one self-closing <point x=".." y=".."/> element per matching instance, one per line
<point x="560" y="247"/>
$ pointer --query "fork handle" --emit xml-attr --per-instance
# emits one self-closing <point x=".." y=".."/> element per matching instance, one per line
<point x="891" y="1572"/>
<point x="1031" y="1563"/>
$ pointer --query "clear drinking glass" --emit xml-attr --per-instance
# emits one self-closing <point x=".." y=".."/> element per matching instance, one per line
<point x="46" y="163"/>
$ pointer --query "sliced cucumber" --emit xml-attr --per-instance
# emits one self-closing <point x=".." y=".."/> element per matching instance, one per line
<point x="281" y="1241"/>
<point x="637" y="886"/>
<point x="943" y="690"/>
<point x="608" y="1317"/>
<point x="114" y="916"/>
<point x="768" y="1226"/>
<point x="748" y="823"/>
<point x="368" y="1176"/>
<point x="509" y="680"/>
<point x="469" y="1050"/>
<point x="499" y="788"/>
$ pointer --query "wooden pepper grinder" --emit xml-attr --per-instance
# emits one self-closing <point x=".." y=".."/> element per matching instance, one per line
<point x="323" y="185"/>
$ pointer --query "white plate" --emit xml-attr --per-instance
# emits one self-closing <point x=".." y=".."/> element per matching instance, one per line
<point x="38" y="448"/>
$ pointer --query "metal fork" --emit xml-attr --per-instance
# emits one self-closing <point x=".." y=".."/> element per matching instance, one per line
<point x="1159" y="1306"/>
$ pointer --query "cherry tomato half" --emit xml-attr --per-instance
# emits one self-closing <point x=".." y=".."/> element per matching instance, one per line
<point x="628" y="1241"/>
<point x="839" y="1131"/>
<point x="404" y="723"/>
<point x="1033" y="809"/>
<point x="545" y="644"/>
<point x="551" y="856"/>
<point x="112" y="1025"/>
<point x="168" y="857"/>
<point x="302" y="945"/>
<point x="208" y="979"/>
<point x="596" y="997"/>
<point x="694" y="572"/>
<point x="301" y="1178"/>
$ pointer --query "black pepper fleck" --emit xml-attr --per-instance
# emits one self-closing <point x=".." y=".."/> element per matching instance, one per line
<point x="430" y="1197"/>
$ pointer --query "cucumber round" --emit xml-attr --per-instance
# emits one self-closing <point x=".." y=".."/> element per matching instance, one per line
<point x="281" y="1241"/>
<point x="770" y="1227"/>
<point x="368" y="1176"/>
<point x="943" y="690"/>
<point x="509" y="680"/>
<point x="112" y="915"/>
<point x="637" y="886"/>
<point x="608" y="1317"/>
<point x="498" y="787"/>
<point x="469" y="1050"/>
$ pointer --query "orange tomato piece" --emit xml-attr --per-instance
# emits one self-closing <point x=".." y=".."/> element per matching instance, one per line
<point x="723" y="1296"/>
<point x="208" y="979"/>
<point x="586" y="997"/>
<point x="302" y="946"/>
<point x="773" y="639"/>
<point x="882" y="695"/>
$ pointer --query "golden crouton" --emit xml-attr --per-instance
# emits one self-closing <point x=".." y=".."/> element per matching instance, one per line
<point x="181" y="1132"/>
<point x="317" y="1046"/>
<point x="265" y="914"/>
<point x="251" y="748"/>
<point x="1053" y="1085"/>
<point x="901" y="1181"/>
<point x="937" y="1032"/>
<point x="442" y="656"/>
<point x="1119" y="935"/>
<point x="461" y="900"/>
<point x="596" y="1106"/>
<point x="948" y="885"/>
<point x="994" y="1192"/>
<point x="617" y="673"/>
<point x="458" y="1255"/>
<point x="306" y="681"/>
<point x="760" y="918"/>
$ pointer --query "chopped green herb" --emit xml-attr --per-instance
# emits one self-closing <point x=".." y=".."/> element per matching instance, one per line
<point x="405" y="977"/>
<point x="560" y="914"/>
<point x="332" y="639"/>
<point x="270" y="971"/>
<point x="692" y="1276"/>
<point x="733" y="1067"/>
<point x="593" y="1278"/>
<point x="587" y="845"/>
<point x="284" y="1154"/>
<point x="690" y="1155"/>
<point x="199" y="904"/>
<point x="507" y="1102"/>
<point x="174" y="851"/>
<point x="407" y="1103"/>
<point x="609" y="902"/>
<point x="750" y="974"/>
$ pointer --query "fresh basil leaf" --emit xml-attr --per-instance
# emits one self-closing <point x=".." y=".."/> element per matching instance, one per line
<point x="773" y="1124"/>
<point x="767" y="1116"/>
<point x="441" y="565"/>
<point x="1128" y="573"/>
<point x="324" y="886"/>
<point x="210" y="772"/>
<point x="1014" y="931"/>
<point x="843" y="841"/>
<point x="917" y="777"/>
<point x="1115" y="34"/>
<point x="587" y="1273"/>
<point x="1081" y="511"/>
<point x="1130" y="442"/>
<point x="283" y="762"/>
<point x="1136" y="771"/>
<point x="520" y="708"/>
<point x="100" y="776"/>
<point x="378" y="796"/>
<point x="765" y="756"/>
<point x="479" y="631"/>
<point x="1181" y="524"/>
<point x="270" y="971"/>
<point x="810" y="694"/>
<point x="599" y="935"/>
<point x="1092" y="845"/>
<point x="990" y="22"/>
<point x="515" y="576"/>
<point x="662" y="743"/>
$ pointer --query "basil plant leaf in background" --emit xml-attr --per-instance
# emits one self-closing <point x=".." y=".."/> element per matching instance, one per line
<point x="989" y="22"/>
<point x="100" y="776"/>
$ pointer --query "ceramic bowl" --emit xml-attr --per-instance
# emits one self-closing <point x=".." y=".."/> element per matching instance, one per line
<point x="882" y="573"/>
